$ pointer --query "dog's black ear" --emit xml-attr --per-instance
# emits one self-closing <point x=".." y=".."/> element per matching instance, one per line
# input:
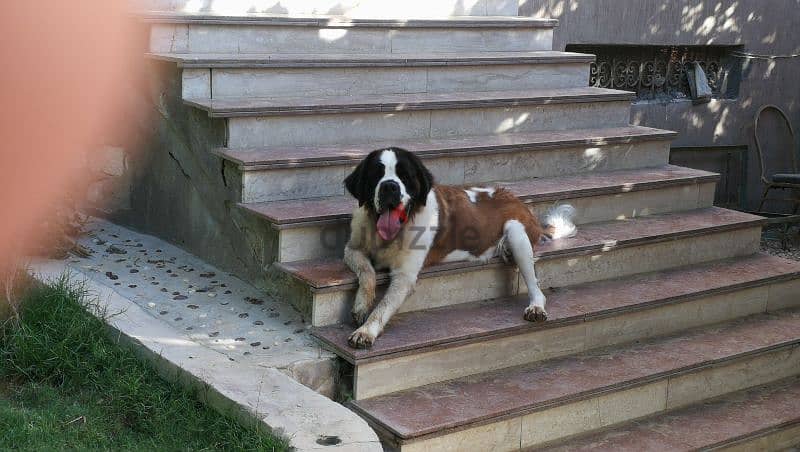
<point x="423" y="176"/>
<point x="356" y="183"/>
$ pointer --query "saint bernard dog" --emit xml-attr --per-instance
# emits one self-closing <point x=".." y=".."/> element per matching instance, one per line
<point x="404" y="222"/>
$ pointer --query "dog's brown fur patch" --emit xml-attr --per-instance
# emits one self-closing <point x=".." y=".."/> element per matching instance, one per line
<point x="477" y="226"/>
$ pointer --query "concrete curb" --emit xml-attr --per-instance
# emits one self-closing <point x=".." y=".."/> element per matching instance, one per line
<point x="310" y="421"/>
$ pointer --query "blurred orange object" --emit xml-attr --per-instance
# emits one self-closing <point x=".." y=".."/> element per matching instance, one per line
<point x="66" y="66"/>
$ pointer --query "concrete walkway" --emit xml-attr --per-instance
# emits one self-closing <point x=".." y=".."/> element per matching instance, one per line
<point x="248" y="354"/>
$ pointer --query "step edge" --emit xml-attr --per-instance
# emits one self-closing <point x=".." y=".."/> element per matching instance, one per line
<point x="331" y="21"/>
<point x="459" y="267"/>
<point x="630" y="384"/>
<point x="398" y="106"/>
<point x="743" y="439"/>
<point x="567" y="321"/>
<point x="233" y="63"/>
<point x="527" y="199"/>
<point x="651" y="135"/>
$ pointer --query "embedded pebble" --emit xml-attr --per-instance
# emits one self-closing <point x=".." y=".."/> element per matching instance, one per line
<point x="298" y="331"/>
<point x="244" y="315"/>
<point x="288" y="339"/>
<point x="192" y="306"/>
<point x="164" y="289"/>
<point x="112" y="276"/>
<point x="255" y="344"/>
<point x="214" y="334"/>
<point x="163" y="312"/>
<point x="132" y="286"/>
<point x="239" y="339"/>
<point x="178" y="319"/>
<point x="223" y="303"/>
<point x="151" y="305"/>
<point x="212" y="294"/>
<point x="258" y="323"/>
<point x="180" y="297"/>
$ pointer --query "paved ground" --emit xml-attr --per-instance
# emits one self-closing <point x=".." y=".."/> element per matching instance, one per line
<point x="211" y="307"/>
<point x="774" y="241"/>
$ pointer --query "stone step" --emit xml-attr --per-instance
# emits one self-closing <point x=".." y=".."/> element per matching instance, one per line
<point x="277" y="173"/>
<point x="274" y="76"/>
<point x="267" y="33"/>
<point x="536" y="404"/>
<point x="765" y="418"/>
<point x="456" y="341"/>
<point x="323" y="289"/>
<point x="319" y="227"/>
<point x="348" y="8"/>
<point x="305" y="121"/>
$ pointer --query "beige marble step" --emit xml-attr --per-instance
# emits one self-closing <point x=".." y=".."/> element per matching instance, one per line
<point x="297" y="172"/>
<point x="312" y="121"/>
<point x="347" y="8"/>
<point x="455" y="341"/>
<point x="323" y="289"/>
<point x="763" y="418"/>
<point x="284" y="34"/>
<point x="275" y="75"/>
<point x="533" y="405"/>
<point x="319" y="227"/>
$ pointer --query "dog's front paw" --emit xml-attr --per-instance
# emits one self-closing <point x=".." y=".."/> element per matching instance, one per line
<point x="535" y="314"/>
<point x="361" y="338"/>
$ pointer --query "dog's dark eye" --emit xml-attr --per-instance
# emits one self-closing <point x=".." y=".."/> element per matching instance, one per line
<point x="402" y="172"/>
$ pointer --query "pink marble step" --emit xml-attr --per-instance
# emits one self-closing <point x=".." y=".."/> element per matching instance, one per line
<point x="301" y="212"/>
<point x="249" y="61"/>
<point x="310" y="105"/>
<point x="457" y="325"/>
<point x="323" y="275"/>
<point x="461" y="403"/>
<point x="733" y="419"/>
<point x="252" y="159"/>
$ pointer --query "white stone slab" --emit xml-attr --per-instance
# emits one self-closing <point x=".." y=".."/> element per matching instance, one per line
<point x="251" y="392"/>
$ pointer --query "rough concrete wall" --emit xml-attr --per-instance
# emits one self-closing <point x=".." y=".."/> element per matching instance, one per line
<point x="763" y="27"/>
<point x="181" y="192"/>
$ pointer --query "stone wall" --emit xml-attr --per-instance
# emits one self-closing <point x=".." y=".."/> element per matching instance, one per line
<point x="760" y="27"/>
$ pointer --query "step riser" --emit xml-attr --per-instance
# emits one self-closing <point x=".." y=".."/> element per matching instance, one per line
<point x="348" y="8"/>
<point x="276" y="83"/>
<point x="501" y="281"/>
<point x="377" y="378"/>
<point x="353" y="128"/>
<point x="210" y="38"/>
<point x="312" y="182"/>
<point x="328" y="239"/>
<point x="624" y="404"/>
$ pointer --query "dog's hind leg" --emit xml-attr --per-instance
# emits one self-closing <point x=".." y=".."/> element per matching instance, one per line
<point x="517" y="241"/>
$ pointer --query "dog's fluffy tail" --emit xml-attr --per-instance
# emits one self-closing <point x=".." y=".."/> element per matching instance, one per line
<point x="558" y="222"/>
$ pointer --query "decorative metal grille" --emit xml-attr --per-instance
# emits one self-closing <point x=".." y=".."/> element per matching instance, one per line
<point x="655" y="72"/>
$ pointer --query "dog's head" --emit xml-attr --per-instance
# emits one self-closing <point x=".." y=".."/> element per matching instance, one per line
<point x="392" y="184"/>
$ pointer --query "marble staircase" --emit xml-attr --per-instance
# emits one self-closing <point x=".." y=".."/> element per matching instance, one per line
<point x="663" y="313"/>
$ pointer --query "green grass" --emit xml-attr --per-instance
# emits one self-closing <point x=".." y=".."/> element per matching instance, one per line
<point x="65" y="384"/>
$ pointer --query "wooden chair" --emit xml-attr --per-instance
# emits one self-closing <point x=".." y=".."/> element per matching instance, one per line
<point x="789" y="180"/>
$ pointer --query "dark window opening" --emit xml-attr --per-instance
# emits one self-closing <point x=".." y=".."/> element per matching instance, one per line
<point x="660" y="72"/>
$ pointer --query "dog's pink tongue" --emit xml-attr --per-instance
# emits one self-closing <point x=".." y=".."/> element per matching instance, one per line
<point x="389" y="223"/>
